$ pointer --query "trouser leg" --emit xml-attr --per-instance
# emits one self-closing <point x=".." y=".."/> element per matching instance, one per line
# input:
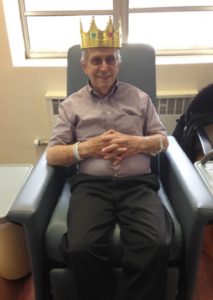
<point x="90" y="218"/>
<point x="145" y="232"/>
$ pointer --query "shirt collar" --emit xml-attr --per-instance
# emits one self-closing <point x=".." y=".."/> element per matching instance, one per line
<point x="94" y="93"/>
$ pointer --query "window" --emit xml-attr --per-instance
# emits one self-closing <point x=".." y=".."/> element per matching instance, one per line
<point x="171" y="26"/>
<point x="50" y="27"/>
<point x="47" y="28"/>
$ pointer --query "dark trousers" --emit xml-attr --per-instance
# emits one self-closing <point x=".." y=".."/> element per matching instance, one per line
<point x="96" y="204"/>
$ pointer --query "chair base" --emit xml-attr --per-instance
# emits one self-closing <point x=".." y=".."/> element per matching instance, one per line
<point x="63" y="287"/>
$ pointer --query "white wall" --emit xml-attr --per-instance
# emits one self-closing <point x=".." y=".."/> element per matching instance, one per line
<point x="23" y="110"/>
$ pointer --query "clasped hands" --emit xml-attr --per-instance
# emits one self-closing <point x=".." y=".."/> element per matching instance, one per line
<point x="113" y="145"/>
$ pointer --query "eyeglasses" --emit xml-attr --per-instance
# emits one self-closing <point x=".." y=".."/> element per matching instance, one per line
<point x="109" y="60"/>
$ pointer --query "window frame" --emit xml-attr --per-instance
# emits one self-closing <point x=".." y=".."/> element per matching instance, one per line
<point x="24" y="14"/>
<point x="121" y="12"/>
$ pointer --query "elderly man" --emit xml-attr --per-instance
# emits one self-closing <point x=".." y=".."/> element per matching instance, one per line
<point x="110" y="129"/>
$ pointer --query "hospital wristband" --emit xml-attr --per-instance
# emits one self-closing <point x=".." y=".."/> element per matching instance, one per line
<point x="161" y="147"/>
<point x="76" y="153"/>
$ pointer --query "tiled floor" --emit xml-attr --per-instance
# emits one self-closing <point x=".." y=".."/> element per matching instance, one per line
<point x="21" y="289"/>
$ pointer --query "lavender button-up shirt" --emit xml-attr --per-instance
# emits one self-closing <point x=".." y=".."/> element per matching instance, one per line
<point x="126" y="109"/>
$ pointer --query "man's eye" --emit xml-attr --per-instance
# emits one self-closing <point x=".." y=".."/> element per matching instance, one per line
<point x="96" y="61"/>
<point x="110" y="60"/>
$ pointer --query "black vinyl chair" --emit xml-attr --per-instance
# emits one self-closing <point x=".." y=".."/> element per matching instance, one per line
<point x="41" y="206"/>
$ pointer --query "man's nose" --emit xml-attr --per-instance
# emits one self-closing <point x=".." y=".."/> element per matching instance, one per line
<point x="104" y="64"/>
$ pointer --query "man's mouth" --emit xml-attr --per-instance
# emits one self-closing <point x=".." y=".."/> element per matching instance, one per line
<point x="104" y="77"/>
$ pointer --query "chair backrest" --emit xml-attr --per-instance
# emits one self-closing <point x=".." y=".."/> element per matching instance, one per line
<point x="137" y="68"/>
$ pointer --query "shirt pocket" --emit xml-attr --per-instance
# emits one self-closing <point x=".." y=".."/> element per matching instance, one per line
<point x="129" y="125"/>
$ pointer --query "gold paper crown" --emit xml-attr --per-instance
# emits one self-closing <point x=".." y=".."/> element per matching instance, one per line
<point x="97" y="38"/>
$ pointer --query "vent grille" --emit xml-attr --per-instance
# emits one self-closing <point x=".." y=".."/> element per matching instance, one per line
<point x="165" y="106"/>
<point x="55" y="105"/>
<point x="173" y="105"/>
<point x="170" y="108"/>
<point x="53" y="99"/>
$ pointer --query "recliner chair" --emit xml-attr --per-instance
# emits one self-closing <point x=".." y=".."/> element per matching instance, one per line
<point x="41" y="206"/>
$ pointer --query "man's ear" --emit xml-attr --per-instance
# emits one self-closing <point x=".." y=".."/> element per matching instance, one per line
<point x="84" y="67"/>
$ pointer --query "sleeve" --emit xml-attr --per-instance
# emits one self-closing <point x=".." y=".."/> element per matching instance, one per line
<point x="153" y="123"/>
<point x="63" y="131"/>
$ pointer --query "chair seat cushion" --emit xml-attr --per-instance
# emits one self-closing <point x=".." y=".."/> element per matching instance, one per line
<point x="57" y="227"/>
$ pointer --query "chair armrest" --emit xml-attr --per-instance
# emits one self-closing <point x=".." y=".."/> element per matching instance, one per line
<point x="42" y="180"/>
<point x="184" y="186"/>
<point x="33" y="208"/>
<point x="207" y="157"/>
<point x="204" y="140"/>
<point x="191" y="201"/>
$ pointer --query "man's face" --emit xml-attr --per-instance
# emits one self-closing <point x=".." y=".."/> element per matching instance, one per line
<point x="101" y="66"/>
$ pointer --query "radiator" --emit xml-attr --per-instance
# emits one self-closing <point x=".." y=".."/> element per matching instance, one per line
<point x="170" y="106"/>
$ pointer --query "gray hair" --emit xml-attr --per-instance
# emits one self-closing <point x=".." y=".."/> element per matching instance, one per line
<point x="84" y="55"/>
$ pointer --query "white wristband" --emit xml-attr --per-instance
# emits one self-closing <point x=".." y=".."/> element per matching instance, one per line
<point x="161" y="148"/>
<point x="161" y="144"/>
<point x="76" y="153"/>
